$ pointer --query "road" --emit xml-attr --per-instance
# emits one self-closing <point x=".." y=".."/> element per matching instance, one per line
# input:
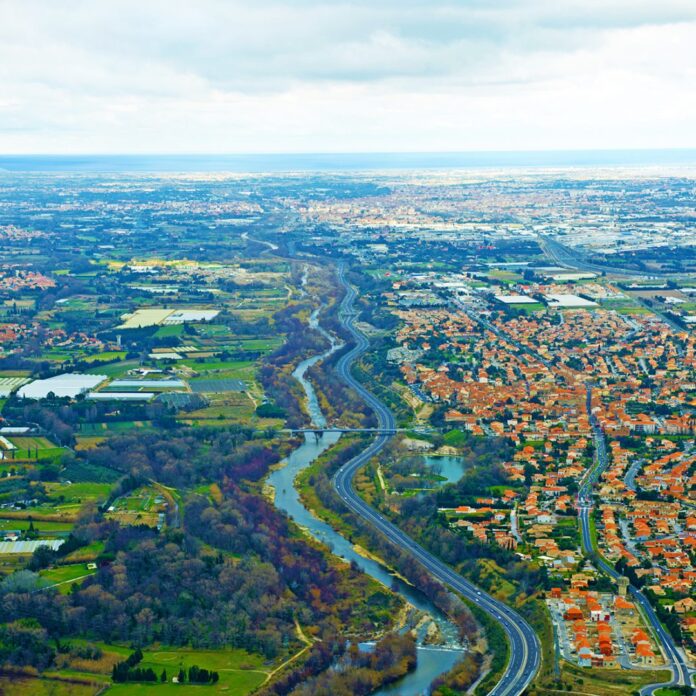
<point x="321" y="431"/>
<point x="566" y="256"/>
<point x="678" y="665"/>
<point x="572" y="258"/>
<point x="525" y="650"/>
<point x="474" y="316"/>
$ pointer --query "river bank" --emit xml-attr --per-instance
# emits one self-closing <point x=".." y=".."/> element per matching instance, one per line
<point x="425" y="619"/>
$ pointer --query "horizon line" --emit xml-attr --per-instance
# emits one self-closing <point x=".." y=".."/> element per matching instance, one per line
<point x="276" y="153"/>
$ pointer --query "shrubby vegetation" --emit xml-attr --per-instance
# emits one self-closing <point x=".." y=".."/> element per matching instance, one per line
<point x="374" y="540"/>
<point x="276" y="369"/>
<point x="359" y="673"/>
<point x="353" y="672"/>
<point x="245" y="589"/>
<point x="187" y="457"/>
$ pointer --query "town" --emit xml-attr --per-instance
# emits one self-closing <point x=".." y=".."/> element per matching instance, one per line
<point x="164" y="341"/>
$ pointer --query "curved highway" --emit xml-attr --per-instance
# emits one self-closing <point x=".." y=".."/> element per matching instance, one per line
<point x="680" y="670"/>
<point x="525" y="652"/>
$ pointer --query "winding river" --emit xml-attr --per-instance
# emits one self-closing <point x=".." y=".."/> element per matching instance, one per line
<point x="426" y="619"/>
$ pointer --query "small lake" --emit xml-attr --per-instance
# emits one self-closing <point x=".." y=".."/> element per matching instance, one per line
<point x="451" y="467"/>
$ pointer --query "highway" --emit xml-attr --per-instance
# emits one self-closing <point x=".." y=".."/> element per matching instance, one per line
<point x="525" y="651"/>
<point x="566" y="256"/>
<point x="572" y="258"/>
<point x="678" y="665"/>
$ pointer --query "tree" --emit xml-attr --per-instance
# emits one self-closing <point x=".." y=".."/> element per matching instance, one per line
<point x="42" y="557"/>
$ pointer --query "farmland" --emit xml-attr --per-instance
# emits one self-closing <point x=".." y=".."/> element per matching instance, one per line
<point x="141" y="506"/>
<point x="116" y="484"/>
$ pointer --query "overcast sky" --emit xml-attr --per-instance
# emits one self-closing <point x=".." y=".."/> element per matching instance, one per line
<point x="223" y="76"/>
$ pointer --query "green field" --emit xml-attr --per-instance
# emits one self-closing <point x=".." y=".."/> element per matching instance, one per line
<point x="31" y="442"/>
<point x="141" y="506"/>
<point x="116" y="369"/>
<point x="77" y="492"/>
<point x="102" y="429"/>
<point x="632" y="310"/>
<point x="63" y="575"/>
<point x="65" y="500"/>
<point x="41" y="527"/>
<point x="529" y="308"/>
<point x="258" y="344"/>
<point x="230" y="406"/>
<point x="33" y="448"/>
<point x="88" y="442"/>
<point x="106" y="356"/>
<point x="169" y="330"/>
<point x="86" y="553"/>
<point x="213" y="329"/>
<point x="27" y="686"/>
<point x="455" y="438"/>
<point x="504" y="276"/>
<point x="237" y="368"/>
<point x="231" y="683"/>
<point x="240" y="672"/>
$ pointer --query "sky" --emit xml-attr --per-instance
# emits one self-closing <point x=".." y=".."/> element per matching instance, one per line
<point x="267" y="76"/>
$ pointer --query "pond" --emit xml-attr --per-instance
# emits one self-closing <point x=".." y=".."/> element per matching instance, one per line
<point x="451" y="467"/>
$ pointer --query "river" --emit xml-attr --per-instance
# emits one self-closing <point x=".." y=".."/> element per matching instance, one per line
<point x="433" y="660"/>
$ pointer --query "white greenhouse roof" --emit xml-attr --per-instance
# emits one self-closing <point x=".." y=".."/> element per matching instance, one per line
<point x="569" y="301"/>
<point x="69" y="384"/>
<point x="515" y="299"/>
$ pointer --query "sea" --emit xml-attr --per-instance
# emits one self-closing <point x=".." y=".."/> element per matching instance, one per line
<point x="326" y="162"/>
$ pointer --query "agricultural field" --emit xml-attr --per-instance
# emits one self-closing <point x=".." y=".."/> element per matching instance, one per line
<point x="28" y="686"/>
<point x="228" y="407"/>
<point x="62" y="501"/>
<point x="86" y="554"/>
<point x="8" y="385"/>
<point x="504" y="276"/>
<point x="27" y="443"/>
<point x="113" y="370"/>
<point x="105" y="356"/>
<point x="170" y="330"/>
<point x="88" y="442"/>
<point x="41" y="528"/>
<point x="265" y="345"/>
<point x="30" y="448"/>
<point x="127" y="467"/>
<point x="602" y="681"/>
<point x="214" y="330"/>
<point x="240" y="672"/>
<point x="217" y="378"/>
<point x="100" y="430"/>
<point x="64" y="576"/>
<point x="141" y="506"/>
<point x="229" y="369"/>
<point x="77" y="492"/>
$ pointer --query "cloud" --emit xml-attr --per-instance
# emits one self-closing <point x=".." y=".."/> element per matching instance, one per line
<point x="229" y="75"/>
